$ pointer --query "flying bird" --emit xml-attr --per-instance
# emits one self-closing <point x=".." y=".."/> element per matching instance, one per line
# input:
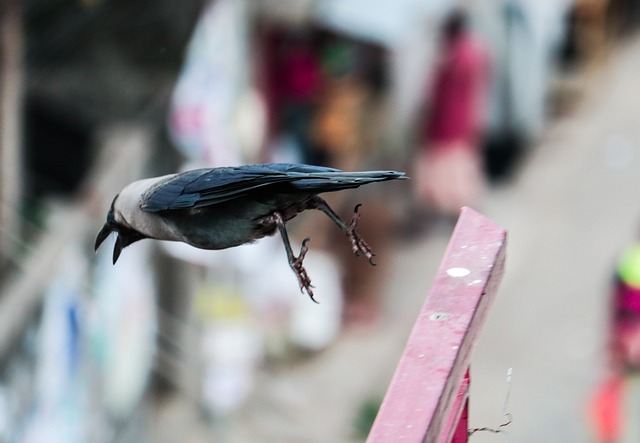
<point x="224" y="207"/>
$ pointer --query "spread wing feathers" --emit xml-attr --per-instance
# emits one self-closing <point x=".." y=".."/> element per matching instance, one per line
<point x="206" y="187"/>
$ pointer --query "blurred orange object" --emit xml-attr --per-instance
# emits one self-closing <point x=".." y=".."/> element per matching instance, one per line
<point x="605" y="410"/>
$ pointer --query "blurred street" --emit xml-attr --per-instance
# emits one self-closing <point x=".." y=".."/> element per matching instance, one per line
<point x="569" y="215"/>
<point x="569" y="212"/>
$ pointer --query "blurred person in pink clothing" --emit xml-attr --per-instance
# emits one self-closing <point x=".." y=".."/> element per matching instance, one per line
<point x="613" y="404"/>
<point x="449" y="171"/>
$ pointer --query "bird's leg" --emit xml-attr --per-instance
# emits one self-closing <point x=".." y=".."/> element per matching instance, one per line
<point x="295" y="262"/>
<point x="358" y="245"/>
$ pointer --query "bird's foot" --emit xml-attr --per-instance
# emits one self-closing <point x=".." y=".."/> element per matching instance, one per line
<point x="358" y="245"/>
<point x="301" y="273"/>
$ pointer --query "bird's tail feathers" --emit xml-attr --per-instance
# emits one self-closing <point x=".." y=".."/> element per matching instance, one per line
<point x="335" y="181"/>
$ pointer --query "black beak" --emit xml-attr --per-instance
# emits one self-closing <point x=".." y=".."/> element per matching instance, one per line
<point x="124" y="238"/>
<point x="102" y="235"/>
<point x="125" y="234"/>
<point x="118" y="247"/>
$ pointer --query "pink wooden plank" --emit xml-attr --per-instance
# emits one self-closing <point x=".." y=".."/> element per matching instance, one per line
<point x="455" y="429"/>
<point x="461" y="434"/>
<point x="429" y="375"/>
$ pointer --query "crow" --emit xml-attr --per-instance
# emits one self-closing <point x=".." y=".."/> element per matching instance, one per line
<point x="224" y="207"/>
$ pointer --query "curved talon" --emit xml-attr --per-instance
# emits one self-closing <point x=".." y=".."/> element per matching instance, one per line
<point x="303" y="278"/>
<point x="307" y="288"/>
<point x="358" y="245"/>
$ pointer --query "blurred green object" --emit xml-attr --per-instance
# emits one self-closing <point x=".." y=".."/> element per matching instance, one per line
<point x="629" y="266"/>
<point x="339" y="59"/>
<point x="366" y="416"/>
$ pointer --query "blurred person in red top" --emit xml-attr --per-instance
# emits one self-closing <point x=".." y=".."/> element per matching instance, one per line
<point x="449" y="171"/>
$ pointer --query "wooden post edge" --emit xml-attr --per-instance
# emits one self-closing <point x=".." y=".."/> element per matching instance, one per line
<point x="432" y="368"/>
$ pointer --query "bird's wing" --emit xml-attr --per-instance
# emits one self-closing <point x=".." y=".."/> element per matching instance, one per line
<point x="205" y="187"/>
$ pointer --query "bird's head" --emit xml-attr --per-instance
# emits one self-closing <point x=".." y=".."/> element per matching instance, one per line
<point x="126" y="235"/>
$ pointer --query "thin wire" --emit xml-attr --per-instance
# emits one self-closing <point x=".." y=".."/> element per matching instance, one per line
<point x="500" y="429"/>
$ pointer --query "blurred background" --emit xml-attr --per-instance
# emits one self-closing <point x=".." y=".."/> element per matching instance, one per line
<point x="526" y="111"/>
